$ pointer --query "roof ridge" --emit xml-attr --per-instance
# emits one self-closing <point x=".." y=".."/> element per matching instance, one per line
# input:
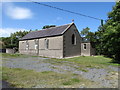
<point x="51" y="27"/>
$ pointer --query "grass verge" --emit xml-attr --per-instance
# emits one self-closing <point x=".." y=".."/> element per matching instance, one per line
<point x="88" y="61"/>
<point x="7" y="55"/>
<point x="21" y="78"/>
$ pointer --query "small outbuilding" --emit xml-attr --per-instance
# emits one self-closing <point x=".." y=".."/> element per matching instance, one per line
<point x="87" y="47"/>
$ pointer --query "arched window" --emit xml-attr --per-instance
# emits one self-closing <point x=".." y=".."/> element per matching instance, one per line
<point x="73" y="39"/>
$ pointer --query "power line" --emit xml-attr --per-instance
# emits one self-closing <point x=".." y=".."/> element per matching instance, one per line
<point x="67" y="10"/>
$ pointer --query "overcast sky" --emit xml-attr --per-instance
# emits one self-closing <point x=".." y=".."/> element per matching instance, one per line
<point x="26" y="15"/>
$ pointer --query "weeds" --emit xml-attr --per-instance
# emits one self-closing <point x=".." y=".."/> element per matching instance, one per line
<point x="71" y="81"/>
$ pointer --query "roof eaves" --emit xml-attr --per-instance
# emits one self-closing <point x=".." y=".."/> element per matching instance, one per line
<point x="39" y="37"/>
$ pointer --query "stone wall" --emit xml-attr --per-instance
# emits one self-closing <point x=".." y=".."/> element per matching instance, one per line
<point x="11" y="51"/>
<point x="89" y="51"/>
<point x="69" y="48"/>
<point x="55" y="47"/>
<point x="85" y="52"/>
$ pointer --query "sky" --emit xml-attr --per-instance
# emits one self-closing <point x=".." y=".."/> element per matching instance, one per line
<point x="27" y="15"/>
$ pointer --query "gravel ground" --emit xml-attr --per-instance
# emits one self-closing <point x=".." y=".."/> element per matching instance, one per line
<point x="100" y="75"/>
<point x="5" y="85"/>
<point x="32" y="63"/>
<point x="105" y="77"/>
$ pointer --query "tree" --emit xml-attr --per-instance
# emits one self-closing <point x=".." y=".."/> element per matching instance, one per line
<point x="89" y="36"/>
<point x="48" y="26"/>
<point x="109" y="35"/>
<point x="6" y="41"/>
<point x="85" y="31"/>
<point x="13" y="40"/>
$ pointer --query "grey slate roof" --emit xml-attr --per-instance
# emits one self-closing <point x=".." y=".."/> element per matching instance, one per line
<point x="46" y="32"/>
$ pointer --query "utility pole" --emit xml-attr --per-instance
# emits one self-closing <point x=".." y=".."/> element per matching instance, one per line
<point x="101" y="37"/>
<point x="101" y="22"/>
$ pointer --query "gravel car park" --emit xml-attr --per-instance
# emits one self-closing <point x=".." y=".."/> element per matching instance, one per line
<point x="101" y="77"/>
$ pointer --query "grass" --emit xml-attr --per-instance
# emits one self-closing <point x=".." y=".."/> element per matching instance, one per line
<point x="71" y="81"/>
<point x="67" y="83"/>
<point x="46" y="72"/>
<point x="81" y="69"/>
<point x="7" y="55"/>
<point x="22" y="78"/>
<point x="84" y="70"/>
<point x="89" y="61"/>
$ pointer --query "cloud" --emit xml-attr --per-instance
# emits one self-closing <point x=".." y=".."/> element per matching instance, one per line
<point x="5" y="32"/>
<point x="16" y="12"/>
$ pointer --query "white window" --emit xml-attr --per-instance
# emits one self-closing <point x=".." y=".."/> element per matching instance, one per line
<point x="73" y="39"/>
<point x="27" y="45"/>
<point x="36" y="47"/>
<point x="36" y="44"/>
<point x="46" y="43"/>
<point x="84" y="46"/>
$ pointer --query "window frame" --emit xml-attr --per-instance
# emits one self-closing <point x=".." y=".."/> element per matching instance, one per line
<point x="74" y="41"/>
<point x="27" y="45"/>
<point x="84" y="46"/>
<point x="36" y="44"/>
<point x="46" y="43"/>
